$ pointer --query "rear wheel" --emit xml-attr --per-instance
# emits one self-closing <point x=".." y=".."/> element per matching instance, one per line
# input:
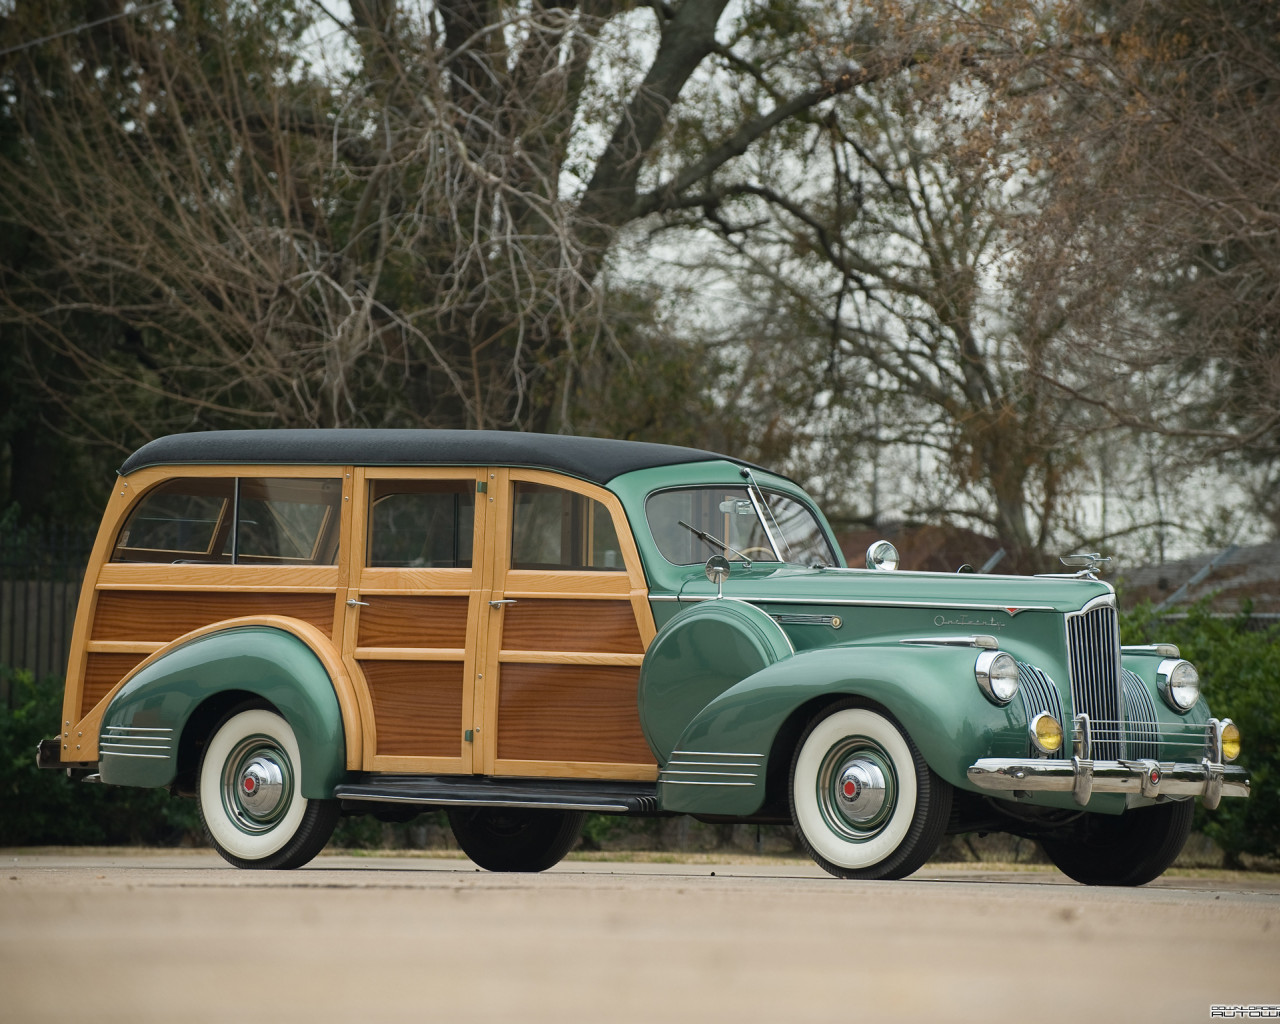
<point x="515" y="838"/>
<point x="865" y="803"/>
<point x="1125" y="849"/>
<point x="250" y="794"/>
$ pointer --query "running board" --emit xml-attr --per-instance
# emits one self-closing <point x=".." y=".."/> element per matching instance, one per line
<point x="604" y="797"/>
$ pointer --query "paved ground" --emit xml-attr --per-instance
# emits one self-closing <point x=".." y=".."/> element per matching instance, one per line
<point x="180" y="937"/>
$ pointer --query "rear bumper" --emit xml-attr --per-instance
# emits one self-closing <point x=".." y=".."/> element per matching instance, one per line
<point x="1082" y="778"/>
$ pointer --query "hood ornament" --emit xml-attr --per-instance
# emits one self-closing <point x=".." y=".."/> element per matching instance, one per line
<point x="1087" y="564"/>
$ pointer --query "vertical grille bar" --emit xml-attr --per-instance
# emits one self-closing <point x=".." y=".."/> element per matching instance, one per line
<point x="1094" y="658"/>
<point x="1143" y="726"/>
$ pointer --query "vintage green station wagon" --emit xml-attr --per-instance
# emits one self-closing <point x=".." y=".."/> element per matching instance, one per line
<point x="520" y="629"/>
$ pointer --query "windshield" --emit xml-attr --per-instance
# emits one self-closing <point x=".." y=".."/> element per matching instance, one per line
<point x="692" y="524"/>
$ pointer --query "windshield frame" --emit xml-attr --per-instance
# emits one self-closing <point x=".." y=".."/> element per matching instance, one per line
<point x="758" y="496"/>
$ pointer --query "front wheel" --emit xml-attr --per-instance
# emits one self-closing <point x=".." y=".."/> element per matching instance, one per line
<point x="864" y="802"/>
<point x="1125" y="849"/>
<point x="515" y="838"/>
<point x="251" y="799"/>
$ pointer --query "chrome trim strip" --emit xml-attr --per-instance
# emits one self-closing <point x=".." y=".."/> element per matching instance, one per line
<point x="686" y="782"/>
<point x="983" y="640"/>
<point x="135" y="728"/>
<point x="714" y="753"/>
<point x="720" y="775"/>
<point x="1083" y="777"/>
<point x="844" y="602"/>
<point x="113" y="746"/>
<point x="720" y="764"/>
<point x="121" y="753"/>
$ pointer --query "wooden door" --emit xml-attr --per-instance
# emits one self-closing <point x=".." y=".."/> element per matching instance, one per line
<point x="568" y="623"/>
<point x="414" y="618"/>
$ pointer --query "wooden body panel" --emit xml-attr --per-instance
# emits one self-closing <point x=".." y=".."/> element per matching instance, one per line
<point x="564" y="657"/>
<point x="473" y="669"/>
<point x="571" y="625"/>
<point x="102" y="672"/>
<point x="130" y="611"/>
<point x="166" y="615"/>
<point x="570" y="713"/>
<point x="417" y="706"/>
<point x="411" y="635"/>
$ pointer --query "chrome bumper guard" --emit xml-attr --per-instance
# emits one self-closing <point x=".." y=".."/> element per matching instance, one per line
<point x="1083" y="777"/>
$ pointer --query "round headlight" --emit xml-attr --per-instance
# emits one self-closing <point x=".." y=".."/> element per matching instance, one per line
<point x="1046" y="733"/>
<point x="1179" y="684"/>
<point x="1230" y="740"/>
<point x="883" y="556"/>
<point x="997" y="675"/>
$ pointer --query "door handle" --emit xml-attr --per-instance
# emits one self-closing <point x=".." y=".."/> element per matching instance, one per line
<point x="499" y="604"/>
<point x="352" y="603"/>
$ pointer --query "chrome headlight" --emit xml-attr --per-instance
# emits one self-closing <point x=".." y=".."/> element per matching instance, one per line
<point x="997" y="675"/>
<point x="1179" y="684"/>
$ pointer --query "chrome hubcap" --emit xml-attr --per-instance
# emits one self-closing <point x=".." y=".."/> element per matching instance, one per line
<point x="861" y="790"/>
<point x="857" y="789"/>
<point x="257" y="785"/>
<point x="261" y="786"/>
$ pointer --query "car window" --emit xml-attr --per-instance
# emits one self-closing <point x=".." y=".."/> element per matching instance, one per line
<point x="283" y="521"/>
<point x="557" y="529"/>
<point x="181" y="520"/>
<point x="288" y="521"/>
<point x="421" y="523"/>
<point x="691" y="524"/>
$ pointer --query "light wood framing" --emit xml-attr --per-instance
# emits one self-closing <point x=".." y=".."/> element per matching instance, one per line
<point x="485" y="669"/>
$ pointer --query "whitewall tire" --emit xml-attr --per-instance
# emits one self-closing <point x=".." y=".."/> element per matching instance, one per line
<point x="863" y="800"/>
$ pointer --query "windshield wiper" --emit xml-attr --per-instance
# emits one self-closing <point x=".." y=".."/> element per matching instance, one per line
<point x="716" y="541"/>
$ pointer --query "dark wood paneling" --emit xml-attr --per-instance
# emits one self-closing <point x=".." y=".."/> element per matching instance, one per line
<point x="417" y="706"/>
<point x="164" y="615"/>
<point x="103" y="671"/>
<point x="413" y="622"/>
<point x="570" y="713"/>
<point x="605" y="627"/>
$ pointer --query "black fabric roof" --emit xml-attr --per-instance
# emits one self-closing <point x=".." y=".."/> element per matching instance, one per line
<point x="591" y="458"/>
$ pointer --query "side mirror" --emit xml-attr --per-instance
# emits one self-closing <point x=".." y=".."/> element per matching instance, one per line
<point x="717" y="570"/>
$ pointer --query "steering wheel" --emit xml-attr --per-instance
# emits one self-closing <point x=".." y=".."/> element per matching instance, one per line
<point x="765" y="554"/>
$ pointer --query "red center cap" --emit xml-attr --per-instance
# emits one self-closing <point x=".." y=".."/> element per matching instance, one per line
<point x="249" y="784"/>
<point x="850" y="790"/>
<point x="1155" y="774"/>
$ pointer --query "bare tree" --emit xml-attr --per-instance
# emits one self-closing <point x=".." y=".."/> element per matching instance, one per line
<point x="1164" y="226"/>
<point x="878" y="250"/>
<point x="215" y="233"/>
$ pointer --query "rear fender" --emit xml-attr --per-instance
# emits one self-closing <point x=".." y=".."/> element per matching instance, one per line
<point x="144" y="724"/>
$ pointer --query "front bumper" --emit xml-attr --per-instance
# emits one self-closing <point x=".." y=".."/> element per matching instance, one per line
<point x="1081" y="777"/>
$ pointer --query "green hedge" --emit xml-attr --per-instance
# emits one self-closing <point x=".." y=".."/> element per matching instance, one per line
<point x="40" y="807"/>
<point x="1240" y="677"/>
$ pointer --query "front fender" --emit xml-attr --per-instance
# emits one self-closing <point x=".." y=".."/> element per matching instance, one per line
<point x="931" y="691"/>
<point x="143" y="724"/>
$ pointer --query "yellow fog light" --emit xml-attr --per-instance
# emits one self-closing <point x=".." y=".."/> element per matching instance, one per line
<point x="1046" y="733"/>
<point x="1230" y="741"/>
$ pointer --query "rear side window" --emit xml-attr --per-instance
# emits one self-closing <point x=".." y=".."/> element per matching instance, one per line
<point x="259" y="521"/>
<point x="558" y="529"/>
<point x="422" y="523"/>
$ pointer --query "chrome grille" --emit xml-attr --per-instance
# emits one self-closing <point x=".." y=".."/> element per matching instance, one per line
<point x="1093" y="643"/>
<point x="1038" y="693"/>
<point x="1142" y="730"/>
